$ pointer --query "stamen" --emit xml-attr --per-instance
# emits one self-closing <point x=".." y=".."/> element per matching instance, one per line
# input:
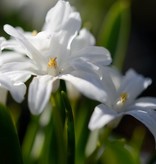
<point x="34" y="33"/>
<point x="122" y="99"/>
<point x="52" y="63"/>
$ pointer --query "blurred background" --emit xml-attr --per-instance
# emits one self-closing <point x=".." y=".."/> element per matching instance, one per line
<point x="125" y="27"/>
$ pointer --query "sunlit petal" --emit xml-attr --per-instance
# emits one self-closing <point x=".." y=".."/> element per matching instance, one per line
<point x="39" y="93"/>
<point x="17" y="90"/>
<point x="145" y="103"/>
<point x="133" y="84"/>
<point x="101" y="116"/>
<point x="87" y="84"/>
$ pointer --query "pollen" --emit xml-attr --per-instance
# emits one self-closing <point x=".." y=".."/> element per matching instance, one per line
<point x="52" y="63"/>
<point x="34" y="33"/>
<point x="122" y="99"/>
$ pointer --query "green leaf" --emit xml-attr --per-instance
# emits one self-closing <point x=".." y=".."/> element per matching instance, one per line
<point x="29" y="139"/>
<point x="82" y="114"/>
<point x="9" y="144"/>
<point x="118" y="152"/>
<point x="114" y="33"/>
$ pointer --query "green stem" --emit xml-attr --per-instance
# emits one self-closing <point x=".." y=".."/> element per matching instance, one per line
<point x="70" y="131"/>
<point x="58" y="125"/>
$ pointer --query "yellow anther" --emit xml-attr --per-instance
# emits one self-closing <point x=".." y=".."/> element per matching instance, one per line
<point x="122" y="99"/>
<point x="52" y="63"/>
<point x="34" y="33"/>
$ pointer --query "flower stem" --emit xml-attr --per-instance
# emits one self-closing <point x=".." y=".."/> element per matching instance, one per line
<point x="70" y="131"/>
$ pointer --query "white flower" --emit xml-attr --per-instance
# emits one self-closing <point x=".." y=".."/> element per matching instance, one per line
<point x="11" y="80"/>
<point x="121" y="100"/>
<point x="58" y="53"/>
<point x="17" y="89"/>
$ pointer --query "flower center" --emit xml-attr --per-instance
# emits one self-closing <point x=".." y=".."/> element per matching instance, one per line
<point x="52" y="63"/>
<point x="122" y="99"/>
<point x="53" y="66"/>
<point x="34" y="33"/>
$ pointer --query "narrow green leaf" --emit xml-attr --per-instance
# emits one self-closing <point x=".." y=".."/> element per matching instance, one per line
<point x="29" y="139"/>
<point x="9" y="144"/>
<point x="82" y="115"/>
<point x="114" y="33"/>
<point x="59" y="143"/>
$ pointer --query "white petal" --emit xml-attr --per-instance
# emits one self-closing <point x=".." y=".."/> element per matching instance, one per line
<point x="57" y="49"/>
<point x="18" y="76"/>
<point x="93" y="54"/>
<point x="41" y="41"/>
<point x="110" y="79"/>
<point x="33" y="52"/>
<point x="26" y="66"/>
<point x="87" y="84"/>
<point x="101" y="116"/>
<point x="17" y="90"/>
<point x="145" y="103"/>
<point x="63" y="19"/>
<point x="39" y="93"/>
<point x="133" y="84"/>
<point x="71" y="28"/>
<point x="57" y="16"/>
<point x="2" y="39"/>
<point x="147" y="118"/>
<point x="73" y="93"/>
<point x="12" y="45"/>
<point x="7" y="57"/>
<point x="84" y="39"/>
<point x="115" y="76"/>
<point x="82" y="64"/>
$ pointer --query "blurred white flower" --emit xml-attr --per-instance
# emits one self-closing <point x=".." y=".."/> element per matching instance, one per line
<point x="57" y="53"/>
<point x="121" y="100"/>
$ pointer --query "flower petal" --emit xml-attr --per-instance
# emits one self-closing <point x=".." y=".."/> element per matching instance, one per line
<point x="59" y="14"/>
<point x="147" y="118"/>
<point x="12" y="45"/>
<point x="67" y="22"/>
<point x="18" y="76"/>
<point x="84" y="39"/>
<point x="33" y="53"/>
<point x="2" y="40"/>
<point x="114" y="74"/>
<point x="133" y="84"/>
<point x="7" y="57"/>
<point x="39" y="93"/>
<point x="145" y="103"/>
<point x="93" y="54"/>
<point x="71" y="28"/>
<point x="81" y="64"/>
<point x="20" y="66"/>
<point x="101" y="116"/>
<point x="17" y="90"/>
<point x="88" y="84"/>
